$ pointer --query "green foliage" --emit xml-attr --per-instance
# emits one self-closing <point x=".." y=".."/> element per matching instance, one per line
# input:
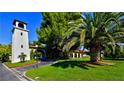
<point x="119" y="52"/>
<point x="35" y="54"/>
<point x="22" y="57"/>
<point x="101" y="31"/>
<point x="62" y="32"/>
<point x="5" y="51"/>
<point x="54" y="31"/>
<point x="32" y="54"/>
<point x="38" y="55"/>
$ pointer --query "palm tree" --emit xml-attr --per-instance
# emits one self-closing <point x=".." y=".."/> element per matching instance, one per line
<point x="95" y="31"/>
<point x="22" y="57"/>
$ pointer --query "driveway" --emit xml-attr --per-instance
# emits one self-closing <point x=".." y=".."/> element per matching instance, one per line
<point x="16" y="74"/>
<point x="7" y="74"/>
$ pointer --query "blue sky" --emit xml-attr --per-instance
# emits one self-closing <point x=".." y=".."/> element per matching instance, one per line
<point x="33" y="19"/>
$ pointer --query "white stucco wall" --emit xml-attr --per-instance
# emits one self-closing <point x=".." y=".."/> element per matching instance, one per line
<point x="17" y="41"/>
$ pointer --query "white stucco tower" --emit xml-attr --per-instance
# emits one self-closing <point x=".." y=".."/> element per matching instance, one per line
<point x="20" y="42"/>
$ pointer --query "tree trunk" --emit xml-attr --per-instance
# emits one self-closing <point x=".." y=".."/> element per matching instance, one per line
<point x="95" y="54"/>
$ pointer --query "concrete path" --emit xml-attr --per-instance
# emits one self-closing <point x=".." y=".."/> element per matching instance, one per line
<point x="17" y="74"/>
<point x="22" y="70"/>
<point x="7" y="74"/>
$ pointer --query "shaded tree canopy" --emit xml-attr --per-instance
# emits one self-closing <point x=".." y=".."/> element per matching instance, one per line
<point x="54" y="30"/>
<point x="100" y="29"/>
<point x="62" y="32"/>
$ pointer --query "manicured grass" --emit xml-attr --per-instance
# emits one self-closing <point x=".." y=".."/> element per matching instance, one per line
<point x="13" y="65"/>
<point x="85" y="58"/>
<point x="76" y="70"/>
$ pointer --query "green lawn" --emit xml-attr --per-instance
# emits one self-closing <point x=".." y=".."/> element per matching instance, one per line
<point x="13" y="65"/>
<point x="74" y="70"/>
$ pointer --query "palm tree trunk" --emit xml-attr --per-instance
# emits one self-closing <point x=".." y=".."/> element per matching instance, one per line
<point x="94" y="54"/>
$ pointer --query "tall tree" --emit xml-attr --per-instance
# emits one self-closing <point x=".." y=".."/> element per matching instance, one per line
<point x="98" y="30"/>
<point x="54" y="31"/>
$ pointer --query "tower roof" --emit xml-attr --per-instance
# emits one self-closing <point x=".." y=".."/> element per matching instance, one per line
<point x="18" y="21"/>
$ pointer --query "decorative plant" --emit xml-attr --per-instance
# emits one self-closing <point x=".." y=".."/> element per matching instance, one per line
<point x="22" y="57"/>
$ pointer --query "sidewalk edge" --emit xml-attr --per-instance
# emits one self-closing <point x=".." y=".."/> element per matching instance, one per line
<point x="11" y="71"/>
<point x="24" y="75"/>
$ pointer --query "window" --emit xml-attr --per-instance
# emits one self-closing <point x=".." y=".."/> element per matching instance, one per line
<point x="21" y="33"/>
<point x="20" y="25"/>
<point x="21" y="46"/>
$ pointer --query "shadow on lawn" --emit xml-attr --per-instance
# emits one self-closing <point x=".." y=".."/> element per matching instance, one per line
<point x="72" y="64"/>
<point x="115" y="59"/>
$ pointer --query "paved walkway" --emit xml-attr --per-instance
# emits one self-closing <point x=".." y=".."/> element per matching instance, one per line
<point x="21" y="70"/>
<point x="16" y="74"/>
<point x="8" y="75"/>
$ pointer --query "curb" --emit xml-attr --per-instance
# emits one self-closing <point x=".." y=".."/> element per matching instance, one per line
<point x="24" y="75"/>
<point x="12" y="71"/>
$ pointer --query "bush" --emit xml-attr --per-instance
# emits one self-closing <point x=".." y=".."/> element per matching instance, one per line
<point x="5" y="50"/>
<point x="119" y="52"/>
